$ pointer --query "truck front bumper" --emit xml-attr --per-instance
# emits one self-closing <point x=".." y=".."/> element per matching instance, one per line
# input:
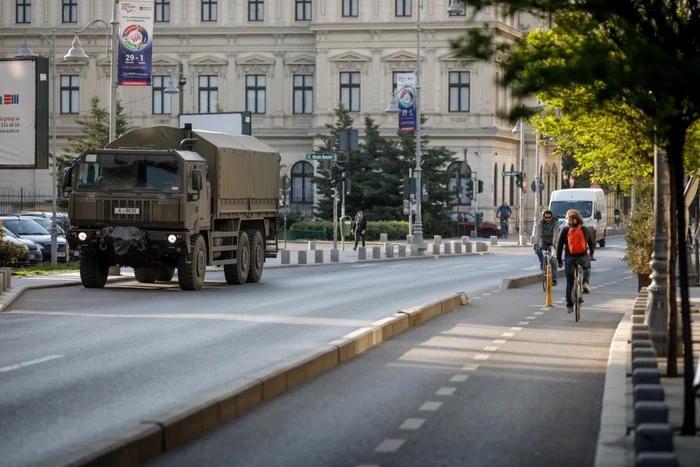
<point x="153" y="242"/>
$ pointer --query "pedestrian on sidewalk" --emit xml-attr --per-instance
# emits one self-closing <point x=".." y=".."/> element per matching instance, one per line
<point x="359" y="229"/>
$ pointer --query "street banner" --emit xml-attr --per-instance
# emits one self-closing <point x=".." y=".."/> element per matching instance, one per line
<point x="135" y="43"/>
<point x="406" y="85"/>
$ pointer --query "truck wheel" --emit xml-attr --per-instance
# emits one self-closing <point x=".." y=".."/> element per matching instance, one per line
<point x="165" y="273"/>
<point x="602" y="243"/>
<point x="145" y="275"/>
<point x="191" y="276"/>
<point x="93" y="272"/>
<point x="238" y="273"/>
<point x="257" y="256"/>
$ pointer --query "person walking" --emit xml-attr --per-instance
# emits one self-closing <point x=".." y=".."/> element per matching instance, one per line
<point x="578" y="241"/>
<point x="504" y="212"/>
<point x="360" y="228"/>
<point x="546" y="235"/>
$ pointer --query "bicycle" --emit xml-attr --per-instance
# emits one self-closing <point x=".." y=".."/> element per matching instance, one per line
<point x="546" y="259"/>
<point x="577" y="292"/>
<point x="504" y="227"/>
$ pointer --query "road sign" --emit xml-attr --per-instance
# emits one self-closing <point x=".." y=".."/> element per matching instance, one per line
<point x="320" y="156"/>
<point x="532" y="186"/>
<point x="509" y="173"/>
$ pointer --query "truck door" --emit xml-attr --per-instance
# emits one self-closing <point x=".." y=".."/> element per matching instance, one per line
<point x="199" y="199"/>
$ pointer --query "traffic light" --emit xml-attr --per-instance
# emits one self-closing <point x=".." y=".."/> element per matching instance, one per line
<point x="480" y="187"/>
<point x="337" y="174"/>
<point x="469" y="188"/>
<point x="521" y="181"/>
<point x="406" y="188"/>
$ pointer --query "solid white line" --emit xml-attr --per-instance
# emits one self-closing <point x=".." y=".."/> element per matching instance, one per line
<point x="365" y="265"/>
<point x="508" y="334"/>
<point x="412" y="424"/>
<point x="390" y="445"/>
<point x="516" y="329"/>
<point x="499" y="341"/>
<point x="395" y="266"/>
<point x="497" y="266"/>
<point x="445" y="391"/>
<point x="29" y="363"/>
<point x="470" y="367"/>
<point x="531" y="268"/>
<point x="490" y="348"/>
<point x="459" y="378"/>
<point x="481" y="356"/>
<point x="430" y="406"/>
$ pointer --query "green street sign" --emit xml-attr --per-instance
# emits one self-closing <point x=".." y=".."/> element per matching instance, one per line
<point x="509" y="173"/>
<point x="320" y="156"/>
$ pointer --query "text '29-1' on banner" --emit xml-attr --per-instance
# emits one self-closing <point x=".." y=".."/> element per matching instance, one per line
<point x="135" y="43"/>
<point x="406" y="85"/>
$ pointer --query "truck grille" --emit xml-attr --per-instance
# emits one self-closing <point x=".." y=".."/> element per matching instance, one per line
<point x="145" y="210"/>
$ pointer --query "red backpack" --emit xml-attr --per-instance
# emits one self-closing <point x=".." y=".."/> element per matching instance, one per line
<point x="576" y="240"/>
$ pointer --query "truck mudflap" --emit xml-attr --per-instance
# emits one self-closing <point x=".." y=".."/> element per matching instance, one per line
<point x="122" y="239"/>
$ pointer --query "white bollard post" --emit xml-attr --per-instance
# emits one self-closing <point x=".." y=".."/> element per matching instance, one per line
<point x="286" y="256"/>
<point x="402" y="251"/>
<point x="361" y="252"/>
<point x="312" y="245"/>
<point x="335" y="256"/>
<point x="389" y="250"/>
<point x="469" y="247"/>
<point x="318" y="256"/>
<point x="376" y="252"/>
<point x="383" y="237"/>
<point x="301" y="257"/>
<point x="437" y="239"/>
<point x="436" y="249"/>
<point x="494" y="240"/>
<point x="448" y="248"/>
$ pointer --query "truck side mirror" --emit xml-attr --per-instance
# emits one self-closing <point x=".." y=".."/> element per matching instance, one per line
<point x="197" y="183"/>
<point x="66" y="179"/>
<point x="598" y="215"/>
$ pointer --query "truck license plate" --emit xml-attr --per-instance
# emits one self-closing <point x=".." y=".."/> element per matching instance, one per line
<point x="126" y="210"/>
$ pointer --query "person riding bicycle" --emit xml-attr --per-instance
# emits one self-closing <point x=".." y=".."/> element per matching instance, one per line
<point x="546" y="234"/>
<point x="575" y="237"/>
<point x="504" y="212"/>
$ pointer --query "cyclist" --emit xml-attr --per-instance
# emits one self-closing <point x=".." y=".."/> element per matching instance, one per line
<point x="504" y="212"/>
<point x="546" y="235"/>
<point x="574" y="237"/>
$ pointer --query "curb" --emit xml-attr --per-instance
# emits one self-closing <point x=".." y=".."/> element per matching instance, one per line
<point x="168" y="431"/>
<point x="611" y="448"/>
<point x="365" y="261"/>
<point x="521" y="281"/>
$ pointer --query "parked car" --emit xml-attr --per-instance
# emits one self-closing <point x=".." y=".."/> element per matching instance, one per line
<point x="466" y="222"/>
<point x="26" y="227"/>
<point x="34" y="255"/>
<point x="43" y="218"/>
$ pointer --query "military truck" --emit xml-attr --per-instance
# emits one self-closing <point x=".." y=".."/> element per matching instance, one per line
<point x="162" y="198"/>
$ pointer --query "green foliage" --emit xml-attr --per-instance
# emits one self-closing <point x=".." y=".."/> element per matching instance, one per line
<point x="9" y="253"/>
<point x="396" y="230"/>
<point x="640" y="239"/>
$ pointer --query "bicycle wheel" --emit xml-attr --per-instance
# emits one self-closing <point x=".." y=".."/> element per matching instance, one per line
<point x="577" y="296"/>
<point x="544" y="280"/>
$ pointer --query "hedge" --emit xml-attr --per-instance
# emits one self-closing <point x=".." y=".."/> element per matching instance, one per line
<point x="396" y="230"/>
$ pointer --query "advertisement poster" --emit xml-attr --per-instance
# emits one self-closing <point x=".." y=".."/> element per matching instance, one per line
<point x="405" y="83"/>
<point x="135" y="43"/>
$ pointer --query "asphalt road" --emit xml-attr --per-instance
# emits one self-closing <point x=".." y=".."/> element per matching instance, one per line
<point x="502" y="382"/>
<point x="80" y="364"/>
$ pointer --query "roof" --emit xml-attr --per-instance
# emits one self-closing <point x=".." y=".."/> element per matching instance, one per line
<point x="228" y="140"/>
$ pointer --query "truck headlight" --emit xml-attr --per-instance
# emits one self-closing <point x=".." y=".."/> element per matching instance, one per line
<point x="82" y="236"/>
<point x="172" y="238"/>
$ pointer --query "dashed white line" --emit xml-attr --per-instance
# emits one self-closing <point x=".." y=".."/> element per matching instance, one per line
<point x="490" y="348"/>
<point x="459" y="378"/>
<point x="499" y="341"/>
<point x="5" y="369"/>
<point x="481" y="356"/>
<point x="538" y="313"/>
<point x="476" y="298"/>
<point x="470" y="367"/>
<point x="395" y="266"/>
<point x="430" y="406"/>
<point x="486" y="293"/>
<point x="545" y="309"/>
<point x="390" y="445"/>
<point x="508" y="334"/>
<point x="412" y="424"/>
<point x="515" y="328"/>
<point x="523" y="323"/>
<point x="445" y="391"/>
<point x="531" y="317"/>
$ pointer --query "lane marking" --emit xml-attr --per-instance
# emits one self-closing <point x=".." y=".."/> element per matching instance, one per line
<point x="538" y="313"/>
<point x="496" y="266"/>
<point x="508" y="334"/>
<point x="490" y="348"/>
<point x="495" y="291"/>
<point x="459" y="378"/>
<point x="531" y="317"/>
<point x="499" y="341"/>
<point x="445" y="391"/>
<point x="470" y="367"/>
<point x="430" y="406"/>
<point x="486" y="294"/>
<point x="523" y="323"/>
<point x="531" y="268"/>
<point x="396" y="266"/>
<point x="545" y="309"/>
<point x="481" y="356"/>
<point x="476" y="298"/>
<point x="5" y="369"/>
<point x="390" y="445"/>
<point x="516" y="329"/>
<point x="365" y="265"/>
<point x="368" y="465"/>
<point x="412" y="424"/>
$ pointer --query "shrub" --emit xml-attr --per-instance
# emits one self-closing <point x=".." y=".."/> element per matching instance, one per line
<point x="640" y="239"/>
<point x="396" y="230"/>
<point x="9" y="253"/>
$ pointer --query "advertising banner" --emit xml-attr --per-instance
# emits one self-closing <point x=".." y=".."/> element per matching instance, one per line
<point x="135" y="43"/>
<point x="406" y="85"/>
<point x="23" y="129"/>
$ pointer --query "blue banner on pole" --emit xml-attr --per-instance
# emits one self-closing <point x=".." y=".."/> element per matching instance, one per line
<point x="407" y="109"/>
<point x="135" y="43"/>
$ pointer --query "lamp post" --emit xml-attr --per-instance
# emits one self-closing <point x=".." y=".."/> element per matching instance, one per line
<point x="172" y="89"/>
<point x="520" y="128"/>
<point x="76" y="53"/>
<point x="25" y="51"/>
<point x="536" y="217"/>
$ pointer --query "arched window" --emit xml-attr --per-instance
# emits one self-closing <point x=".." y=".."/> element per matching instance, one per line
<point x="302" y="183"/>
<point x="503" y="186"/>
<point x="512" y="186"/>
<point x="555" y="178"/>
<point x="495" y="184"/>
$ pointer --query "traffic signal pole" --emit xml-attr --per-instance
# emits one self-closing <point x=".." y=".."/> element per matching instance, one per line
<point x="520" y="192"/>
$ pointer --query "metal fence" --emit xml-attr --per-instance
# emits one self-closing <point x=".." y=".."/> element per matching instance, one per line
<point x="12" y="201"/>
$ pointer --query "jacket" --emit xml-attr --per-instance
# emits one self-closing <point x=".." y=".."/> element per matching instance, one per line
<point x="360" y="225"/>
<point x="549" y="235"/>
<point x="563" y="243"/>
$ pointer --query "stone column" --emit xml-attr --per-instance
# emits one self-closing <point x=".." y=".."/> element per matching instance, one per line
<point x="376" y="90"/>
<point x="232" y="98"/>
<point x="278" y="90"/>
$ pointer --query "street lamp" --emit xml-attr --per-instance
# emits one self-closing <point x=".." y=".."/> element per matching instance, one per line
<point x="455" y="9"/>
<point x="25" y="51"/>
<point x="519" y="128"/>
<point x="172" y="89"/>
<point x="536" y="218"/>
<point x="76" y="53"/>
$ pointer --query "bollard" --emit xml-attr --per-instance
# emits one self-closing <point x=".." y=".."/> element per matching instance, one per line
<point x="638" y="319"/>
<point x="436" y="249"/>
<point x="646" y="376"/>
<point x="656" y="459"/>
<point x="383" y="237"/>
<point x="469" y="247"/>
<point x="362" y="253"/>
<point x="312" y="245"/>
<point x="447" y="248"/>
<point x="643" y="344"/>
<point x="457" y="247"/>
<point x="301" y="257"/>
<point x="286" y="257"/>
<point x="389" y="250"/>
<point x="8" y="280"/>
<point x="402" y="251"/>
<point x="437" y="239"/>
<point x="376" y="252"/>
<point x="335" y="256"/>
<point x="114" y="271"/>
<point x="415" y="251"/>
<point x="472" y="234"/>
<point x="409" y="239"/>
<point x="650" y="412"/>
<point x="648" y="392"/>
<point x="644" y="363"/>
<point x="465" y="240"/>
<point x="640" y="335"/>
<point x="639" y="327"/>
<point x="643" y="352"/>
<point x="549" y="285"/>
<point x="653" y="437"/>
<point x="318" y="256"/>
<point x="494" y="240"/>
<point x="2" y="281"/>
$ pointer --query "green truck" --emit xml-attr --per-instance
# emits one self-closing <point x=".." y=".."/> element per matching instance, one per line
<point x="160" y="199"/>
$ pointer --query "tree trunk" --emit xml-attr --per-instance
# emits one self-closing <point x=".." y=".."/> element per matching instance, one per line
<point x="676" y="142"/>
<point x="671" y="218"/>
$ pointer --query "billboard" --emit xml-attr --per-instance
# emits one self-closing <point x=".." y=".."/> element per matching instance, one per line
<point x="237" y="123"/>
<point x="24" y="113"/>
<point x="406" y="84"/>
<point x="135" y="43"/>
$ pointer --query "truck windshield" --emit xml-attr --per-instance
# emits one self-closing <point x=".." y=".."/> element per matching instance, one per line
<point x="559" y="208"/>
<point x="129" y="172"/>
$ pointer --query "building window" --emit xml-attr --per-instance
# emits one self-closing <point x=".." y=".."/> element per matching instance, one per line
<point x="70" y="11"/>
<point x="70" y="94"/>
<point x="255" y="93"/>
<point x="210" y="11"/>
<point x="303" y="10"/>
<point x="459" y="91"/>
<point x="495" y="184"/>
<point x="24" y="11"/>
<point x="350" y="90"/>
<point x="303" y="94"/>
<point x="403" y="8"/>
<point x="512" y="186"/>
<point x="302" y="183"/>
<point x="163" y="11"/>
<point x="161" y="102"/>
<point x="395" y="80"/>
<point x="208" y="94"/>
<point x="256" y="10"/>
<point x="350" y="7"/>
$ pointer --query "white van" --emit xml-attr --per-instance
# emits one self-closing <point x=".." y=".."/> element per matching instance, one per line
<point x="590" y="202"/>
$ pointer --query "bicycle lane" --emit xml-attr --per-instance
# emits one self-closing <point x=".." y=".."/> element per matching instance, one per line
<point x="503" y="381"/>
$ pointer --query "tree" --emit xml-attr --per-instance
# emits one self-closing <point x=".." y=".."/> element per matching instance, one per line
<point x="643" y="54"/>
